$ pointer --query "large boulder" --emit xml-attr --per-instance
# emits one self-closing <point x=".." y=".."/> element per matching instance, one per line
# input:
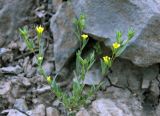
<point x="62" y="28"/>
<point x="56" y="4"/>
<point x="127" y="75"/>
<point x="13" y="13"/>
<point x="104" y="18"/>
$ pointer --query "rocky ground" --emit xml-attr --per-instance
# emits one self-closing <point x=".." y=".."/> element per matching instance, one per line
<point x="129" y="90"/>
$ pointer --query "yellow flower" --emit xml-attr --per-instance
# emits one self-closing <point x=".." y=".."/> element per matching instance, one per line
<point x="106" y="59"/>
<point x="39" y="29"/>
<point x="116" y="45"/>
<point x="84" y="36"/>
<point x="49" y="79"/>
<point x="40" y="58"/>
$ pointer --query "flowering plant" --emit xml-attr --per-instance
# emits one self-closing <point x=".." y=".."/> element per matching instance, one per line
<point x="76" y="98"/>
<point x="117" y="49"/>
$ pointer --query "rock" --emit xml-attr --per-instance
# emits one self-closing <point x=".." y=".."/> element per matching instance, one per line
<point x="52" y="112"/>
<point x="8" y="57"/>
<point x="21" y="105"/>
<point x="21" y="75"/>
<point x="22" y="46"/>
<point x="155" y="87"/>
<point x="16" y="90"/>
<point x="125" y="100"/>
<point x="136" y="107"/>
<point x="20" y="80"/>
<point x="30" y="113"/>
<point x="49" y="55"/>
<point x="145" y="83"/>
<point x="39" y="110"/>
<point x="116" y="100"/>
<point x="148" y="76"/>
<point x="34" y="61"/>
<point x="13" y="45"/>
<point x="56" y="103"/>
<point x="30" y="71"/>
<point x="93" y="76"/>
<point x="106" y="107"/>
<point x="4" y="51"/>
<point x="12" y="15"/>
<point x="48" y="67"/>
<point x="25" y="81"/>
<point x="5" y="88"/>
<point x="40" y="14"/>
<point x="56" y="4"/>
<point x="151" y="96"/>
<point x="11" y="70"/>
<point x="82" y="112"/>
<point x="36" y="101"/>
<point x="65" y="42"/>
<point x="42" y="90"/>
<point x="26" y="62"/>
<point x="20" y="62"/>
<point x="125" y="74"/>
<point x="37" y="79"/>
<point x="103" y="19"/>
<point x="2" y="41"/>
<point x="158" y="110"/>
<point x="13" y="112"/>
<point x="117" y="93"/>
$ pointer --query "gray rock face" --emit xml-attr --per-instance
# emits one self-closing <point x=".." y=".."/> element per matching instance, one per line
<point x="126" y="74"/>
<point x="21" y="104"/>
<point x="11" y="69"/>
<point x="52" y="111"/>
<point x="158" y="110"/>
<point x="104" y="18"/>
<point x="3" y="51"/>
<point x="107" y="107"/>
<point x="155" y="87"/>
<point x="5" y="88"/>
<point x="13" y="112"/>
<point x="56" y="4"/>
<point x="65" y="42"/>
<point x="94" y="76"/>
<point x="118" y="102"/>
<point x="39" y="110"/>
<point x="83" y="112"/>
<point x="48" y="66"/>
<point x="12" y="14"/>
